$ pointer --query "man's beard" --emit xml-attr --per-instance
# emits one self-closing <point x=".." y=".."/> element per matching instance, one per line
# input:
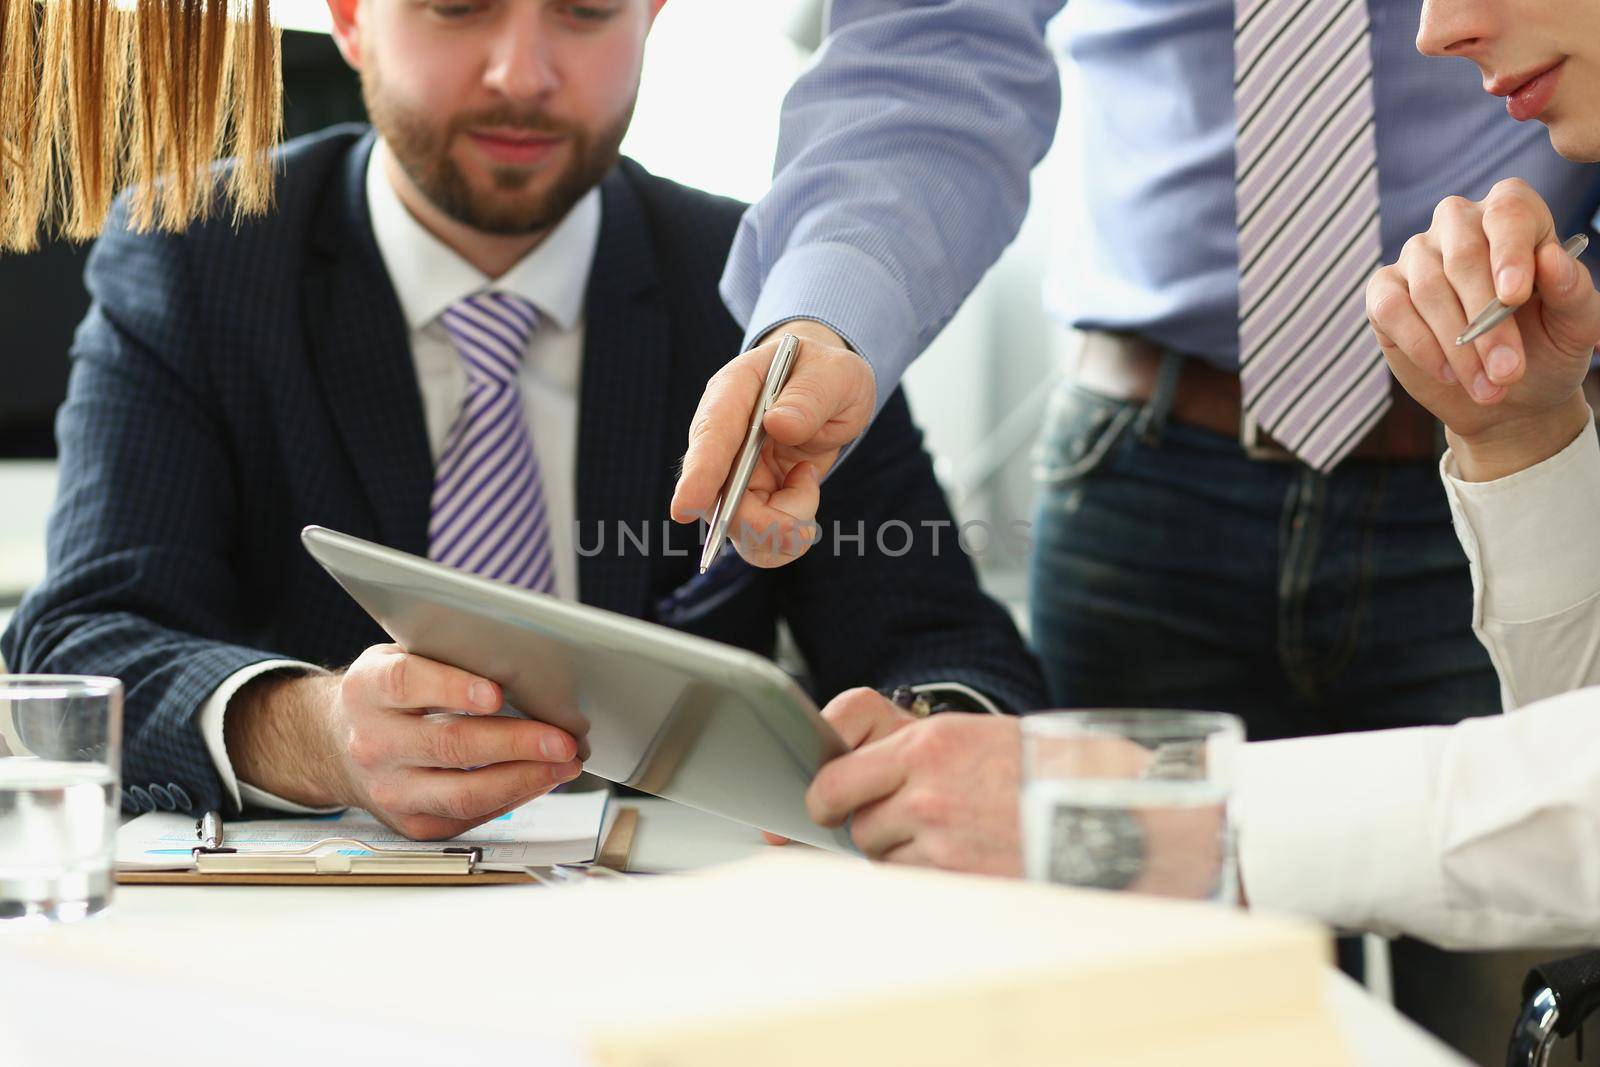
<point x="423" y="152"/>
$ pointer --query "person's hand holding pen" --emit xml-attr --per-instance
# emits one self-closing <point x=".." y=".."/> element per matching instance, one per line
<point x="1512" y="397"/>
<point x="827" y="403"/>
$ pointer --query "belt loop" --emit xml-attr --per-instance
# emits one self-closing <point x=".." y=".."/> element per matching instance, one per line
<point x="1153" y="419"/>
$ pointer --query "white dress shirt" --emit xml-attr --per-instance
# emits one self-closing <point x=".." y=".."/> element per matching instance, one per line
<point x="1485" y="834"/>
<point x="428" y="278"/>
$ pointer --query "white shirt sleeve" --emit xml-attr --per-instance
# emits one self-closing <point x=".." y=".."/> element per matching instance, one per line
<point x="211" y="723"/>
<point x="1530" y="541"/>
<point x="1479" y="835"/>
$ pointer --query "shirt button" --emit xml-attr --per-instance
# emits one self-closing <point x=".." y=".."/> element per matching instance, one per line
<point x="163" y="798"/>
<point x="142" y="798"/>
<point x="181" y="796"/>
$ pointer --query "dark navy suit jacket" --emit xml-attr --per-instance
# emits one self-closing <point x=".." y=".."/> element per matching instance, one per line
<point x="231" y="386"/>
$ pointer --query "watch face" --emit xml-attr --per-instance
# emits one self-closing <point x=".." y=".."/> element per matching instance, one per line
<point x="1099" y="848"/>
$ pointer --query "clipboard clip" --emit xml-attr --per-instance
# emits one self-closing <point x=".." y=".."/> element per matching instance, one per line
<point x="331" y="855"/>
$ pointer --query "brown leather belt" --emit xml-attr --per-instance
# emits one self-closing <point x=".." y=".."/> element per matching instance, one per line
<point x="1126" y="367"/>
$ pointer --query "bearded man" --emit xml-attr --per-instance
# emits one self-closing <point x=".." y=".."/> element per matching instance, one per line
<point x="473" y="333"/>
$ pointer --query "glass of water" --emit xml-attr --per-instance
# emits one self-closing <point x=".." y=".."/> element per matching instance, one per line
<point x="1129" y="799"/>
<point x="60" y="747"/>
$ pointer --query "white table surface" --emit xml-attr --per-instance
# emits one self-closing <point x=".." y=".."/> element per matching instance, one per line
<point x="669" y="838"/>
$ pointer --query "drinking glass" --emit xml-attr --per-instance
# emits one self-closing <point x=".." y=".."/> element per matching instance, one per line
<point x="1131" y="799"/>
<point x="60" y="746"/>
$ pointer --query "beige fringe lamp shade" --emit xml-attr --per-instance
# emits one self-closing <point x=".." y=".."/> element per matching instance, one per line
<point x="98" y="95"/>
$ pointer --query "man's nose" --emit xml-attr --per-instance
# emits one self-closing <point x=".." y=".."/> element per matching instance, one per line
<point x="522" y="62"/>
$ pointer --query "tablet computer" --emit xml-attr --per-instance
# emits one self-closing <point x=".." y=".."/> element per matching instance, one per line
<point x="679" y="716"/>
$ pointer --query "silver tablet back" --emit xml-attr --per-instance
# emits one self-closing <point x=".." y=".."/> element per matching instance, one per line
<point x="692" y="720"/>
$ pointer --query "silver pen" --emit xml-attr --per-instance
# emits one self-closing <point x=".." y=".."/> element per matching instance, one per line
<point x="1496" y="312"/>
<point x="739" y="478"/>
<point x="209" y="830"/>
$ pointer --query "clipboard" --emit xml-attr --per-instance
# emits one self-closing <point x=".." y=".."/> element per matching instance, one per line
<point x="383" y="867"/>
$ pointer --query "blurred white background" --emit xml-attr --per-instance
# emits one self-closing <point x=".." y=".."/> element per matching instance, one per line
<point x="710" y="125"/>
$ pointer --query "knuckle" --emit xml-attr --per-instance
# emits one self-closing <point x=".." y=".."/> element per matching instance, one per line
<point x="350" y="685"/>
<point x="1510" y="189"/>
<point x="737" y="376"/>
<point x="715" y="414"/>
<point x="1452" y="207"/>
<point x="451" y="743"/>
<point x="927" y="743"/>
<point x="1388" y="279"/>
<point x="1417" y="251"/>
<point x="809" y="392"/>
<point x="703" y="426"/>
<point x="1425" y="278"/>
<point x="1470" y="252"/>
<point x="1384" y="299"/>
<point x="1507" y="208"/>
<point x="459" y="803"/>
<point x="393" y="677"/>
<point x="859" y="702"/>
<point x="822" y="797"/>
<point x="1418" y="344"/>
<point x="1422" y="352"/>
<point x="929" y="807"/>
<point x="870" y="848"/>
<point x="364" y="750"/>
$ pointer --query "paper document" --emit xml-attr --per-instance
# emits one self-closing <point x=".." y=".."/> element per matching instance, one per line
<point x="558" y="828"/>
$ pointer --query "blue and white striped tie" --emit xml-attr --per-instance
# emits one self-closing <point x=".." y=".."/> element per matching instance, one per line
<point x="489" y="513"/>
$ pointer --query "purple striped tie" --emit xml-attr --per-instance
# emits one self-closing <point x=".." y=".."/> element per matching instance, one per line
<point x="489" y="513"/>
<point x="1307" y="170"/>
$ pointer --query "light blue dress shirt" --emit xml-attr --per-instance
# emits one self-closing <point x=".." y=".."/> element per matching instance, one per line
<point x="903" y="163"/>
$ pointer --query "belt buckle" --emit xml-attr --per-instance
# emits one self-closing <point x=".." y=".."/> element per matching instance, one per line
<point x="1254" y="449"/>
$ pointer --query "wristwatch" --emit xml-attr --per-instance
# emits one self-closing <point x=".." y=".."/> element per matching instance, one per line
<point x="1098" y="848"/>
<point x="925" y="700"/>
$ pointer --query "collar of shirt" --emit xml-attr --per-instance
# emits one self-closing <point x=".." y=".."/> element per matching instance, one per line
<point x="428" y="276"/>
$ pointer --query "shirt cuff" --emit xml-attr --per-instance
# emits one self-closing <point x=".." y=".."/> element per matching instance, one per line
<point x="1340" y="828"/>
<point x="853" y="295"/>
<point x="260" y="798"/>
<point x="1530" y="535"/>
<point x="215" y="711"/>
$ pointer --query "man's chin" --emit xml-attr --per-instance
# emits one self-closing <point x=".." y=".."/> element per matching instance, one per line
<point x="508" y="209"/>
<point x="511" y="222"/>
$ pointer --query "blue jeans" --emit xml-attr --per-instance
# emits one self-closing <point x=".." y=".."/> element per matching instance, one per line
<point x="1171" y="571"/>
